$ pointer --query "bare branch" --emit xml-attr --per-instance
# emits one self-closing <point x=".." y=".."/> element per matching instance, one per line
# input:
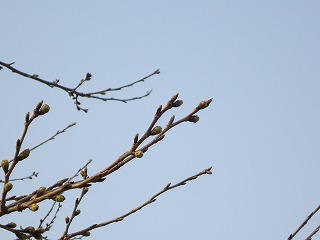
<point x="304" y="223"/>
<point x="75" y="94"/>
<point x="149" y="201"/>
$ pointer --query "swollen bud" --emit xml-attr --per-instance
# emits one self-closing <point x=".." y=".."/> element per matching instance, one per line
<point x="59" y="198"/>
<point x="204" y="104"/>
<point x="30" y="229"/>
<point x="86" y="234"/>
<point x="77" y="212"/>
<point x="5" y="165"/>
<point x="177" y="103"/>
<point x="44" y="109"/>
<point x="24" y="154"/>
<point x="156" y="130"/>
<point x="41" y="191"/>
<point x="33" y="207"/>
<point x="8" y="186"/>
<point x="11" y="225"/>
<point x="193" y="118"/>
<point x="138" y="154"/>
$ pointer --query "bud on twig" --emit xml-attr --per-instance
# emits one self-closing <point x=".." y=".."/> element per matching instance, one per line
<point x="193" y="118"/>
<point x="86" y="234"/>
<point x="59" y="198"/>
<point x="138" y="154"/>
<point x="44" y="109"/>
<point x="8" y="186"/>
<point x="5" y="165"/>
<point x="204" y="104"/>
<point x="77" y="212"/>
<point x="24" y="154"/>
<point x="11" y="225"/>
<point x="33" y="207"/>
<point x="156" y="130"/>
<point x="41" y="191"/>
<point x="177" y="103"/>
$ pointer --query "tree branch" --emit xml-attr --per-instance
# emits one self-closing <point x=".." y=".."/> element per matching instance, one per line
<point x="75" y="94"/>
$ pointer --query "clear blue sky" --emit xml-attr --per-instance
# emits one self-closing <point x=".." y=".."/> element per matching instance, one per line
<point x="259" y="60"/>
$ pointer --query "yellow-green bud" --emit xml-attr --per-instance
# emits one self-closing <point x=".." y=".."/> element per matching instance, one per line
<point x="138" y="154"/>
<point x="156" y="130"/>
<point x="41" y="191"/>
<point x="44" y="109"/>
<point x="11" y="225"/>
<point x="59" y="198"/>
<point x="5" y="165"/>
<point x="86" y="234"/>
<point x="194" y="118"/>
<point x="24" y="154"/>
<point x="33" y="207"/>
<point x="204" y="104"/>
<point x="8" y="186"/>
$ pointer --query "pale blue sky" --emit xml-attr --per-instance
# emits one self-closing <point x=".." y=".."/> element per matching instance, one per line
<point x="259" y="60"/>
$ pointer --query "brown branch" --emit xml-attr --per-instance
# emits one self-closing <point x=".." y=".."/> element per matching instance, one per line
<point x="151" y="200"/>
<point x="57" y="189"/>
<point x="75" y="94"/>
<point x="304" y="223"/>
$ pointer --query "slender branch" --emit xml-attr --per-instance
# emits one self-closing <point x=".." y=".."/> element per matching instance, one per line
<point x="304" y="223"/>
<point x="65" y="185"/>
<point x="314" y="232"/>
<point x="149" y="201"/>
<point x="52" y="138"/>
<point x="75" y="94"/>
<point x="34" y="174"/>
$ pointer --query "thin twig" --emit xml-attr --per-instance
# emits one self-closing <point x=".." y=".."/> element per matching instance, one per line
<point x="151" y="200"/>
<point x="52" y="138"/>
<point x="74" y="94"/>
<point x="304" y="223"/>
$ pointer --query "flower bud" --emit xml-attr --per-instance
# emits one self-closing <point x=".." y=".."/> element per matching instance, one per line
<point x="67" y="220"/>
<point x="193" y="118"/>
<point x="24" y="154"/>
<point x="77" y="212"/>
<point x="86" y="234"/>
<point x="177" y="103"/>
<point x="204" y="104"/>
<point x="8" y="186"/>
<point x="138" y="154"/>
<point x="33" y="207"/>
<point x="44" y="109"/>
<point x="41" y="191"/>
<point x="156" y="130"/>
<point x="5" y="165"/>
<point x="11" y="225"/>
<point x="59" y="198"/>
<point x="30" y="229"/>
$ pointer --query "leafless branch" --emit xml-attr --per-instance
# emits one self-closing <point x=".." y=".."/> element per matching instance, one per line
<point x="75" y="94"/>
<point x="304" y="223"/>
<point x="168" y="187"/>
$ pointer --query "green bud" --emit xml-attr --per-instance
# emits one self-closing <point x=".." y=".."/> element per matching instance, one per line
<point x="41" y="191"/>
<point x="5" y="165"/>
<point x="59" y="198"/>
<point x="24" y="154"/>
<point x="156" y="130"/>
<point x="204" y="104"/>
<point x="138" y="154"/>
<point x="193" y="118"/>
<point x="44" y="109"/>
<point x="8" y="186"/>
<point x="34" y="207"/>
